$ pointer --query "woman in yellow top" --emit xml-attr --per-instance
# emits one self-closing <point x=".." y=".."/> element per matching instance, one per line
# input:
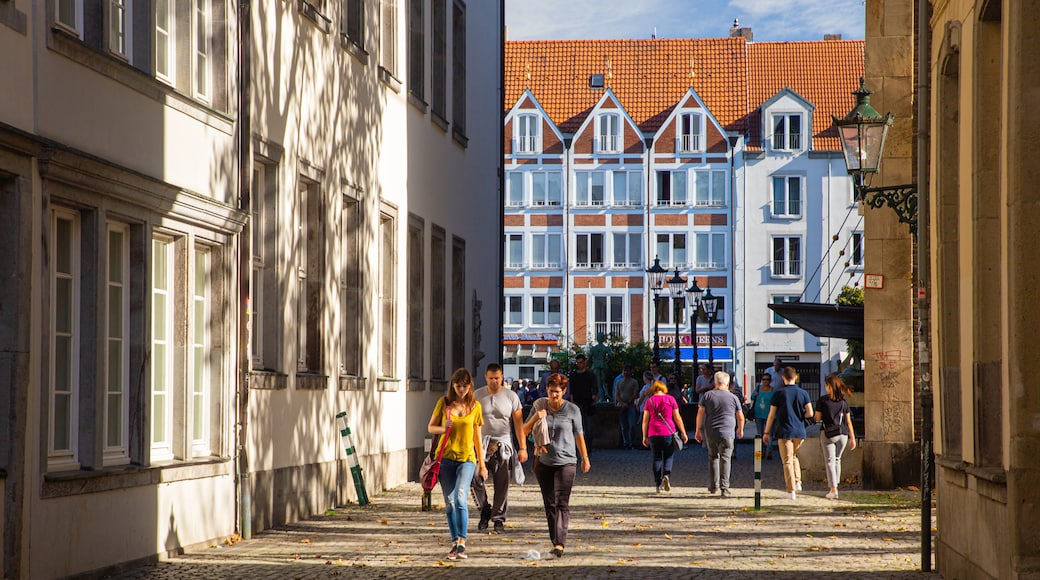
<point x="459" y="415"/>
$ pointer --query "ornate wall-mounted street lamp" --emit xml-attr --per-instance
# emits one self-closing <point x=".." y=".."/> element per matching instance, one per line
<point x="676" y="289"/>
<point x="693" y="304"/>
<point x="863" y="133"/>
<point x="656" y="275"/>
<point x="710" y="303"/>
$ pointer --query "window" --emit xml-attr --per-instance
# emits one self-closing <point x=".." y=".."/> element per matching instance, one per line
<point x="416" y="48"/>
<point x="163" y="348"/>
<point x="546" y="188"/>
<point x="514" y="188"/>
<point x="514" y="314"/>
<point x="588" y="251"/>
<point x="458" y="69"/>
<point x="350" y="288"/>
<point x="710" y="251"/>
<point x="710" y="188"/>
<point x="387" y="295"/>
<point x="116" y="406"/>
<point x="787" y="256"/>
<point x="628" y="188"/>
<point x="608" y="316"/>
<point x="309" y="275"/>
<point x="120" y="17"/>
<point x="268" y="286"/>
<point x="720" y="311"/>
<point x="671" y="187"/>
<point x="69" y="14"/>
<point x="63" y="399"/>
<point x="439" y="74"/>
<point x="665" y="309"/>
<point x="416" y="328"/>
<point x="590" y="188"/>
<point x="164" y="37"/>
<point x="201" y="351"/>
<point x="671" y="248"/>
<point x="855" y="250"/>
<point x="439" y="302"/>
<point x="353" y="22"/>
<point x="545" y="311"/>
<point x="388" y="37"/>
<point x="787" y="131"/>
<point x="690" y="132"/>
<point x="787" y="196"/>
<point x="546" y="251"/>
<point x="259" y="228"/>
<point x="202" y="35"/>
<point x="528" y="138"/>
<point x="458" y="302"/>
<point x="628" y="248"/>
<point x="778" y="320"/>
<point x="608" y="133"/>
<point x="514" y="251"/>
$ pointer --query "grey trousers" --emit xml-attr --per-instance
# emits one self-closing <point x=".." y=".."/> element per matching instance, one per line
<point x="498" y="473"/>
<point x="833" y="447"/>
<point x="720" y="458"/>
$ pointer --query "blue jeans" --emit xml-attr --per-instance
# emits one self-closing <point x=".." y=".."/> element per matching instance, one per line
<point x="661" y="451"/>
<point x="455" y="481"/>
<point x="627" y="420"/>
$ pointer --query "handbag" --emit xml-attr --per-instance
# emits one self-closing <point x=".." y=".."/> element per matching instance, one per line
<point x="677" y="443"/>
<point x="430" y="470"/>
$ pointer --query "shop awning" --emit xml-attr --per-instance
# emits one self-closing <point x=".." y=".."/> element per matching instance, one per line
<point x="823" y="320"/>
<point x="721" y="353"/>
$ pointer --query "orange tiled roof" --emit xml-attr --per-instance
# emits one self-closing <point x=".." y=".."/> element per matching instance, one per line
<point x="649" y="77"/>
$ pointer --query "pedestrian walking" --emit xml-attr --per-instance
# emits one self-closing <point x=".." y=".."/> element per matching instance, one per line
<point x="626" y="391"/>
<point x="503" y="416"/>
<point x="661" y="419"/>
<point x="787" y="411"/>
<point x="458" y="416"/>
<point x="720" y="419"/>
<point x="705" y="381"/>
<point x="556" y="463"/>
<point x="584" y="390"/>
<point x="837" y="433"/>
<point x="760" y="402"/>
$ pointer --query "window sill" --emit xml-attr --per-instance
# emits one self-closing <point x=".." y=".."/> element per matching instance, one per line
<point x="416" y="384"/>
<point x="785" y="216"/>
<point x="389" y="80"/>
<point x="388" y="384"/>
<point x="438" y="385"/>
<point x="417" y="102"/>
<point x="351" y="383"/>
<point x="439" y="120"/>
<point x="268" y="380"/>
<point x="82" y="482"/>
<point x="311" y="12"/>
<point x="355" y="49"/>
<point x="459" y="137"/>
<point x="11" y="17"/>
<point x="311" y="381"/>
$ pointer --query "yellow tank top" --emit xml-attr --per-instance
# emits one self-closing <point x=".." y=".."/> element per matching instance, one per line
<point x="460" y="440"/>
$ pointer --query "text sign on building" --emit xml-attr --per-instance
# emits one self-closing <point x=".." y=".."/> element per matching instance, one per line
<point x="874" y="281"/>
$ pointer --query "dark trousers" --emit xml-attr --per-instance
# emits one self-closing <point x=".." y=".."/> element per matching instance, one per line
<point x="556" y="482"/>
<point x="661" y="450"/>
<point x="498" y="473"/>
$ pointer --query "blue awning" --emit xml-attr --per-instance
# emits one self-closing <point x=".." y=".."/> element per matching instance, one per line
<point x="721" y="353"/>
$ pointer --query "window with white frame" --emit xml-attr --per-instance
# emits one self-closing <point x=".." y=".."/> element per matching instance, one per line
<point x="387" y="295"/>
<point x="353" y="21"/>
<point x="64" y="371"/>
<point x="546" y="188"/>
<point x="256" y="303"/>
<point x="787" y="131"/>
<point x="202" y="36"/>
<point x="628" y="250"/>
<point x="588" y="251"/>
<point x="514" y="188"/>
<point x="787" y="196"/>
<point x="163" y="355"/>
<point x="201" y="388"/>
<point x="546" y="251"/>
<point x="608" y="316"/>
<point x="514" y="314"/>
<point x="120" y="17"/>
<point x="710" y="186"/>
<point x="69" y="14"/>
<point x="116" y="363"/>
<point x="304" y="192"/>
<point x="416" y="305"/>
<point x="855" y="250"/>
<point x="665" y="312"/>
<point x="691" y="132"/>
<point x="777" y="320"/>
<point x="388" y="36"/>
<point x="545" y="311"/>
<point x="671" y="187"/>
<point x="720" y="310"/>
<point x="628" y="188"/>
<point x="165" y="53"/>
<point x="350" y="287"/>
<point x="787" y="256"/>
<point x="710" y="250"/>
<point x="528" y="137"/>
<point x="608" y="133"/>
<point x="590" y="188"/>
<point x="438" y="304"/>
<point x="514" y="251"/>
<point x="671" y="248"/>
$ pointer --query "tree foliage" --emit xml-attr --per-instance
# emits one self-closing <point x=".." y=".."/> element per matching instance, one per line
<point x="850" y="296"/>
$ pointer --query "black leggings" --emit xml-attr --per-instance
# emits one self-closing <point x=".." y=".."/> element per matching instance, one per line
<point x="556" y="482"/>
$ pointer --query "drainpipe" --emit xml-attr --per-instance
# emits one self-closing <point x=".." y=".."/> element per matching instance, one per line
<point x="924" y="274"/>
<point x="501" y="181"/>
<point x="245" y="253"/>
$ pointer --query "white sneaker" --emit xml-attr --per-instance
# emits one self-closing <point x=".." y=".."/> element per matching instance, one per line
<point x="832" y="495"/>
<point x="798" y="486"/>
<point x="794" y="495"/>
<point x="667" y="485"/>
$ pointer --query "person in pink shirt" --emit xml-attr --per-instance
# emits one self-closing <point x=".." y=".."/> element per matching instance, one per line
<point x="661" y="419"/>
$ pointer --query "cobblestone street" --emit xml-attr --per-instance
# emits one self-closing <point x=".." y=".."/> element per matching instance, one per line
<point x="620" y="528"/>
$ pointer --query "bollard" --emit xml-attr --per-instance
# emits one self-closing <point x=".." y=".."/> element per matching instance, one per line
<point x="427" y="504"/>
<point x="355" y="467"/>
<point x="758" y="471"/>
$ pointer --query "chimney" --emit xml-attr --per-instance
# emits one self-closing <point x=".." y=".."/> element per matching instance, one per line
<point x="832" y="37"/>
<point x="737" y="32"/>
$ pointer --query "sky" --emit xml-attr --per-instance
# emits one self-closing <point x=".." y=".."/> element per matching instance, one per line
<point x="770" y="20"/>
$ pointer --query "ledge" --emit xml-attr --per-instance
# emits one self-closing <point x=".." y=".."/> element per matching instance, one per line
<point x="94" y="481"/>
<point x="416" y="384"/>
<point x="311" y="12"/>
<point x="417" y="102"/>
<point x="459" y="137"/>
<point x="438" y="385"/>
<point x="13" y="18"/>
<point x="438" y="120"/>
<point x="389" y="80"/>
<point x="354" y="49"/>
<point x="311" y="381"/>
<point x="351" y="383"/>
<point x="268" y="380"/>
<point x="388" y="384"/>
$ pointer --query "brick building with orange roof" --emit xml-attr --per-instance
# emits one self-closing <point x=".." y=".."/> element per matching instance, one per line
<point x="715" y="156"/>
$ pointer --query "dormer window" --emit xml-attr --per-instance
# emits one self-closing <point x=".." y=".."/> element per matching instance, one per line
<point x="608" y="133"/>
<point x="528" y="138"/>
<point x="690" y="133"/>
<point x="787" y="131"/>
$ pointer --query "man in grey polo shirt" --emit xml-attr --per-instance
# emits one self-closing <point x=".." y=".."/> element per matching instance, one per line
<point x="719" y="418"/>
<point x="502" y="414"/>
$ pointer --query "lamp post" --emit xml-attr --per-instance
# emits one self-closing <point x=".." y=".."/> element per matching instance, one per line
<point x="676" y="287"/>
<point x="710" y="303"/>
<point x="693" y="304"/>
<point x="656" y="274"/>
<point x="863" y="133"/>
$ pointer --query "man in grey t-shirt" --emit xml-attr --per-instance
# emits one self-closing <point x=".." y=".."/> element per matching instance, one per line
<point x="626" y="391"/>
<point x="502" y="414"/>
<point x="719" y="420"/>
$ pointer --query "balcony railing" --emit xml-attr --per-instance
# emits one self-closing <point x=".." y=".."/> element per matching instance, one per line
<point x="690" y="143"/>
<point x="609" y="328"/>
<point x="627" y="265"/>
<point x="527" y="144"/>
<point x="545" y="266"/>
<point x="609" y="143"/>
<point x="588" y="265"/>
<point x="787" y="268"/>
